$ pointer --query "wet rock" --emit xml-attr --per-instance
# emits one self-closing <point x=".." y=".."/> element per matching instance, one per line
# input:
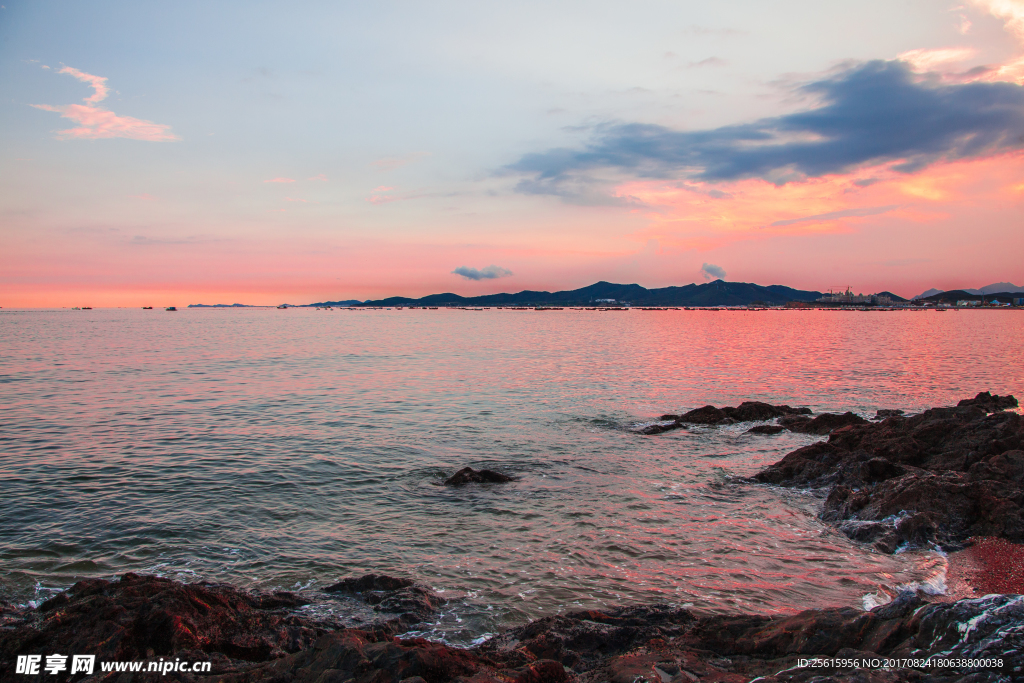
<point x="756" y="411"/>
<point x="144" y="616"/>
<point x="941" y="476"/>
<point x="990" y="403"/>
<point x="467" y="475"/>
<point x="140" y="618"/>
<point x="708" y="415"/>
<point x="887" y="412"/>
<point x="822" y="424"/>
<point x="364" y="657"/>
<point x="748" y="411"/>
<point x="402" y="602"/>
<point x="664" y="418"/>
<point x="660" y="428"/>
<point x="766" y="429"/>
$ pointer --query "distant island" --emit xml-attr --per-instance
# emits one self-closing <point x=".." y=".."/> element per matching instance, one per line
<point x="717" y="293"/>
<point x="709" y="294"/>
<point x="222" y="306"/>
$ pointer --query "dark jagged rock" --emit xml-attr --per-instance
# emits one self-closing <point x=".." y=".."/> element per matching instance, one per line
<point x="748" y="411"/>
<point x="822" y="424"/>
<point x="403" y="600"/>
<point x="141" y="617"/>
<point x="766" y="429"/>
<point x="144" y="619"/>
<point x="990" y="403"/>
<point x="887" y="412"/>
<point x="941" y="476"/>
<point x="755" y="411"/>
<point x="467" y="475"/>
<point x="708" y="415"/>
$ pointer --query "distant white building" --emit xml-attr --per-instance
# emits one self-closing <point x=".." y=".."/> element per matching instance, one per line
<point x="848" y="298"/>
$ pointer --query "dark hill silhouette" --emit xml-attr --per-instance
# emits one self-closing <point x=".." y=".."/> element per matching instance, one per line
<point x="954" y="295"/>
<point x="717" y="293"/>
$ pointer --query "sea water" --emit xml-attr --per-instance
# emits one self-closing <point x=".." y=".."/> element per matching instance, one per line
<point x="285" y="449"/>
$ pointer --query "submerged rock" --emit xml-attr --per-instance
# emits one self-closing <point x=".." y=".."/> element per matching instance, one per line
<point x="766" y="429"/>
<point x="403" y="602"/>
<point x="660" y="428"/>
<point x="467" y="475"/>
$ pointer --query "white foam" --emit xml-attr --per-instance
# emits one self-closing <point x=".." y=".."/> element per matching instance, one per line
<point x="933" y="583"/>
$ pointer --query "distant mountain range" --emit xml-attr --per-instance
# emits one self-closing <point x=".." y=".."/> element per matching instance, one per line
<point x="994" y="288"/>
<point x="716" y="293"/>
<point x="220" y="306"/>
<point x="954" y="295"/>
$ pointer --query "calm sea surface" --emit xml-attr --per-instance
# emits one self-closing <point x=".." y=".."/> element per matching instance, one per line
<point x="288" y="448"/>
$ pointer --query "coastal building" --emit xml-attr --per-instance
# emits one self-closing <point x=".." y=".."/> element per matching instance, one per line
<point x="848" y="298"/>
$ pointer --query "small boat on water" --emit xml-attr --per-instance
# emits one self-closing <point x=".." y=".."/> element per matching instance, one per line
<point x="86" y="308"/>
<point x="170" y="308"/>
<point x="147" y="308"/>
<point x="283" y="306"/>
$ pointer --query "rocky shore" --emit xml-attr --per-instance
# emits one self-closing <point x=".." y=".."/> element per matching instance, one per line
<point x="944" y="478"/>
<point x="940" y="477"/>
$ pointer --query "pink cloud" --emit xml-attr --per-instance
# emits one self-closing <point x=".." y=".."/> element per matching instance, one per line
<point x="378" y="195"/>
<point x="1012" y="13"/>
<point x="95" y="123"/>
<point x="99" y="84"/>
<point x="280" y="180"/>
<point x="321" y="177"/>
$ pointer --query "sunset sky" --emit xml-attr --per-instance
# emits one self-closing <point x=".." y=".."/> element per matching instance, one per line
<point x="165" y="153"/>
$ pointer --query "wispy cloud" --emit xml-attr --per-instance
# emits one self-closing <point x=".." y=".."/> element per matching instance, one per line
<point x="280" y="180"/>
<point x="391" y="163"/>
<point x="1012" y="14"/>
<point x="98" y="83"/>
<point x="929" y="60"/>
<point x="321" y="177"/>
<point x="873" y="113"/>
<point x="489" y="273"/>
<point x="833" y="215"/>
<point x="96" y="123"/>
<point x="709" y="271"/>
<point x="379" y="195"/>
<point x="710" y="61"/>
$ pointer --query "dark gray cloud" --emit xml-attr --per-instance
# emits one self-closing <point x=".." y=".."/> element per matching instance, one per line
<point x="488" y="273"/>
<point x="712" y="272"/>
<point x="871" y="113"/>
